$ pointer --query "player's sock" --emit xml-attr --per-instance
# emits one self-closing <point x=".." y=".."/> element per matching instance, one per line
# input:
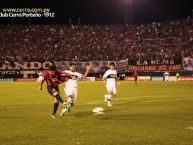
<point x="70" y="104"/>
<point x="109" y="103"/>
<point x="63" y="111"/>
<point x="67" y="108"/>
<point x="55" y="108"/>
<point x="109" y="97"/>
<point x="59" y="98"/>
<point x="106" y="98"/>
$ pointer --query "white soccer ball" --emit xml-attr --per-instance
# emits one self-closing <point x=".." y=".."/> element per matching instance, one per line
<point x="98" y="110"/>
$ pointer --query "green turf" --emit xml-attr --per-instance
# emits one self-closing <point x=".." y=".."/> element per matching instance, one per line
<point x="151" y="113"/>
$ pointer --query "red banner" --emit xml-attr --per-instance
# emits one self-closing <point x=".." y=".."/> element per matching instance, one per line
<point x="185" y="78"/>
<point x="155" y="68"/>
<point x="129" y="78"/>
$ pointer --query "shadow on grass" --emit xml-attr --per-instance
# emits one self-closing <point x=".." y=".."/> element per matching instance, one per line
<point x="83" y="114"/>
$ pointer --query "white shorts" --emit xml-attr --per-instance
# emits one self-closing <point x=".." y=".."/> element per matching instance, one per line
<point x="111" y="89"/>
<point x="166" y="78"/>
<point x="71" y="92"/>
<point x="40" y="78"/>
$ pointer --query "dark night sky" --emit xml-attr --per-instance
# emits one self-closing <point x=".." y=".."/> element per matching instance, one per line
<point x="103" y="11"/>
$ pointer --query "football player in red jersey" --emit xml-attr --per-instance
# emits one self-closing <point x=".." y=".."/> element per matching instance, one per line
<point x="135" y="74"/>
<point x="53" y="78"/>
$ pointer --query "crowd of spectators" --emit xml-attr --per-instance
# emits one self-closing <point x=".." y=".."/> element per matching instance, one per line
<point x="166" y="40"/>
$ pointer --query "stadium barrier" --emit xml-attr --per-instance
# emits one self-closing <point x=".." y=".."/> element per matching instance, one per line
<point x="140" y="78"/>
<point x="144" y="78"/>
<point x="8" y="80"/>
<point x="26" y="80"/>
<point x="161" y="78"/>
<point x="157" y="78"/>
<point x="90" y="79"/>
<point x="185" y="78"/>
<point x="172" y="78"/>
<point x="129" y="78"/>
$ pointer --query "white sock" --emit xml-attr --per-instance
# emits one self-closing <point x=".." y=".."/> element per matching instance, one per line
<point x="69" y="100"/>
<point x="106" y="97"/>
<point x="64" y="110"/>
<point x="109" y="103"/>
<point x="109" y="97"/>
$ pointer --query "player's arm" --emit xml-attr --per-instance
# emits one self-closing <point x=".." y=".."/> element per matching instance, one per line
<point x="104" y="80"/>
<point x="42" y="81"/>
<point x="63" y="72"/>
<point x="86" y="72"/>
<point x="67" y="74"/>
<point x="116" y="79"/>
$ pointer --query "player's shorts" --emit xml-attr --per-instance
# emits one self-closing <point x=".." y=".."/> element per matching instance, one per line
<point x="135" y="78"/>
<point x="111" y="89"/>
<point x="52" y="89"/>
<point x="166" y="78"/>
<point x="71" y="92"/>
<point x="40" y="78"/>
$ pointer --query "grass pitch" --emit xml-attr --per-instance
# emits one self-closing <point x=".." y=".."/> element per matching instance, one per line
<point x="151" y="113"/>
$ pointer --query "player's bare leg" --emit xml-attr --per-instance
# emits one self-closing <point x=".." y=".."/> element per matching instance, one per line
<point x="57" y="96"/>
<point x="55" y="108"/>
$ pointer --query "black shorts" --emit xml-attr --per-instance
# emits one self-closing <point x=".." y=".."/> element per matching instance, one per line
<point x="135" y="78"/>
<point x="52" y="89"/>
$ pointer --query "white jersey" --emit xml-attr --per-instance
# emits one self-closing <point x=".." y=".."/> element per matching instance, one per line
<point x="72" y="83"/>
<point x="40" y="78"/>
<point x="166" y="74"/>
<point x="110" y="76"/>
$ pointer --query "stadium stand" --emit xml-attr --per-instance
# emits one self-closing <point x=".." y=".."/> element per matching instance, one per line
<point x="96" y="42"/>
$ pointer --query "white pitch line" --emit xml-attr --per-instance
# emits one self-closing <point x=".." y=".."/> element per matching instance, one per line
<point x="190" y="128"/>
<point x="144" y="101"/>
<point x="99" y="101"/>
<point x="117" y="99"/>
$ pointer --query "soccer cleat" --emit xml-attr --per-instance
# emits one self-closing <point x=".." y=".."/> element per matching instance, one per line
<point x="109" y="104"/>
<point x="53" y="116"/>
<point x="63" y="111"/>
<point x="66" y="110"/>
<point x="68" y="107"/>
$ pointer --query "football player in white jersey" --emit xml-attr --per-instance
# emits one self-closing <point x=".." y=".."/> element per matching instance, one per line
<point x="166" y="77"/>
<point x="71" y="86"/>
<point x="110" y="78"/>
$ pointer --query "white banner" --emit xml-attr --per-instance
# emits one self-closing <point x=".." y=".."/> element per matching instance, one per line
<point x="144" y="78"/>
<point x="188" y="64"/>
<point x="96" y="66"/>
